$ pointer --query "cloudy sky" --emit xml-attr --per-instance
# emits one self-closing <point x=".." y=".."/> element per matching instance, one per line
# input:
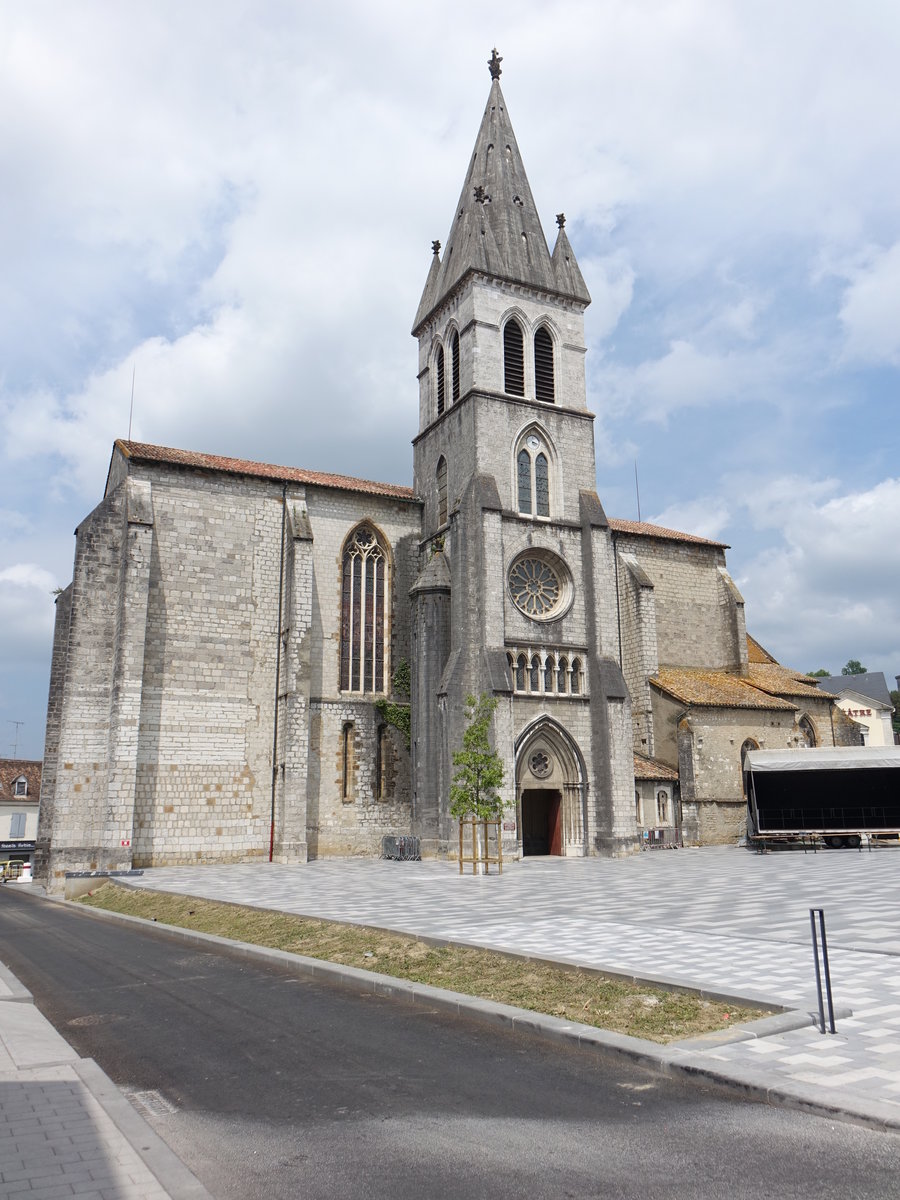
<point x="235" y="203"/>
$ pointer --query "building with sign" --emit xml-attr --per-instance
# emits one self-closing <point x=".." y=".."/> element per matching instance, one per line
<point x="20" y="797"/>
<point x="265" y="662"/>
<point x="865" y="699"/>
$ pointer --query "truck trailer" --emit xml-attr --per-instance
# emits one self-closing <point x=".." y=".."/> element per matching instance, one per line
<point x="836" y="794"/>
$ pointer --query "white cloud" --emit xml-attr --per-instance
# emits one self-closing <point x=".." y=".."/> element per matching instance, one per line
<point x="831" y="589"/>
<point x="706" y="516"/>
<point x="870" y="309"/>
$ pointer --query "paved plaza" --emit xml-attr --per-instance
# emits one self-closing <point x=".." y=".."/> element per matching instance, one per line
<point x="718" y="918"/>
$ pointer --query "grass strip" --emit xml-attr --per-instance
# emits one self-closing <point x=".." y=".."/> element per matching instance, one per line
<point x="614" y="1004"/>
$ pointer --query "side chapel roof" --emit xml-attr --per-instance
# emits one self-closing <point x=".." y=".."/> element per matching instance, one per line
<point x="496" y="228"/>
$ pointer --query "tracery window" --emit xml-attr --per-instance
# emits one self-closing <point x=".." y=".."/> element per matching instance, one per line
<point x="513" y="359"/>
<point x="454" y="366"/>
<point x="533" y="478"/>
<point x="441" y="381"/>
<point x="363" y="613"/>
<point x="543" y="366"/>
<point x="442" y="490"/>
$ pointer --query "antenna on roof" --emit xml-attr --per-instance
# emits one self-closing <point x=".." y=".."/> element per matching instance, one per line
<point x="131" y="409"/>
<point x="637" y="489"/>
<point x="15" y="753"/>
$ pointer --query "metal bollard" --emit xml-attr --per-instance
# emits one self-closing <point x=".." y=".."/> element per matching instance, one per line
<point x="825" y="970"/>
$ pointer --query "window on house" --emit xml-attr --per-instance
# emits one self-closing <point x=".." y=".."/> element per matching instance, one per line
<point x="363" y="613"/>
<point x="347" y="762"/>
<point x="513" y="359"/>
<point x="442" y="490"/>
<point x="543" y="366"/>
<point x="454" y="366"/>
<point x="20" y="788"/>
<point x="17" y="825"/>
<point x="441" y="380"/>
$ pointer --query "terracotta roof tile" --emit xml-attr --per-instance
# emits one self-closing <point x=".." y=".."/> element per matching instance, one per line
<point x="757" y="653"/>
<point x="652" y="768"/>
<point x="714" y="689"/>
<point x="143" y="452"/>
<point x="643" y="529"/>
<point x="777" y="680"/>
<point x="12" y="769"/>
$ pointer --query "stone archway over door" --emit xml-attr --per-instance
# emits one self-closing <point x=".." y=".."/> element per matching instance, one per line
<point x="549" y="791"/>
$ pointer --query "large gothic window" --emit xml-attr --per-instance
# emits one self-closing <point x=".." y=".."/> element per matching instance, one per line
<point x="513" y="359"/>
<point x="543" y="366"/>
<point x="363" y="613"/>
<point x="454" y="366"/>
<point x="533" y="478"/>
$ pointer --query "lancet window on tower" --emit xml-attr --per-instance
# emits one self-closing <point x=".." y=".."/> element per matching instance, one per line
<point x="441" y="381"/>
<point x="513" y="358"/>
<point x="454" y="367"/>
<point x="363" y="612"/>
<point x="441" y="476"/>
<point x="533" y="478"/>
<point x="543" y="366"/>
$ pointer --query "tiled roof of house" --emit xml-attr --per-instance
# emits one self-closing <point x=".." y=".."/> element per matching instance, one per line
<point x="714" y="689"/>
<point x="12" y="769"/>
<point x="643" y="529"/>
<point x="143" y="452"/>
<point x="652" y="768"/>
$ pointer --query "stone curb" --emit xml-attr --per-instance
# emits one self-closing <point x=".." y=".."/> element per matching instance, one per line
<point x="18" y="992"/>
<point x="677" y="1059"/>
<point x="159" y="1158"/>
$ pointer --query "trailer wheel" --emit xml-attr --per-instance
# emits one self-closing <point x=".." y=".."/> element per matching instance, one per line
<point x="853" y="841"/>
<point x="834" y="842"/>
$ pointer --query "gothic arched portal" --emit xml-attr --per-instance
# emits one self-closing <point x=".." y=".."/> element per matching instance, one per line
<point x="550" y="791"/>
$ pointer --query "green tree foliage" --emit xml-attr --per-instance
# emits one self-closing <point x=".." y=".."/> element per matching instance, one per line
<point x="822" y="673"/>
<point x="479" y="769"/>
<point x="853" y="667"/>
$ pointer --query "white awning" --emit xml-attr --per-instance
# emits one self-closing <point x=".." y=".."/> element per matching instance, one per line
<point x="824" y="758"/>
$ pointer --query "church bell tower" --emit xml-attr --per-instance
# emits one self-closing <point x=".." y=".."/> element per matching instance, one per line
<point x="516" y="590"/>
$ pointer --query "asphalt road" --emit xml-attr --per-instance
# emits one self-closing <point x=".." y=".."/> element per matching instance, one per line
<point x="272" y="1086"/>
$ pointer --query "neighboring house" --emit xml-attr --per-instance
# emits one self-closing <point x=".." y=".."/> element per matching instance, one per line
<point x="865" y="699"/>
<point x="656" y="803"/>
<point x="260" y="662"/>
<point x="20" y="795"/>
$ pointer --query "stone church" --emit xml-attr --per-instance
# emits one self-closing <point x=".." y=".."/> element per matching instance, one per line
<point x="256" y="662"/>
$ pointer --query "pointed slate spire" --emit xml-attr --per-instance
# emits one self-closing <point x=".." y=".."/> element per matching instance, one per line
<point x="496" y="228"/>
<point x="426" y="304"/>
<point x="569" y="279"/>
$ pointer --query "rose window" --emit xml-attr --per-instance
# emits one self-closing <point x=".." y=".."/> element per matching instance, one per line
<point x="540" y="764"/>
<point x="537" y="587"/>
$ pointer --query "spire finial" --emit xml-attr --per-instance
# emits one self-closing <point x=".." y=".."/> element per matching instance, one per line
<point x="436" y="248"/>
<point x="494" y="64"/>
<point x="561" y="220"/>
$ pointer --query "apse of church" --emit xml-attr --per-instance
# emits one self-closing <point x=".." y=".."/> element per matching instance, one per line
<point x="256" y="662"/>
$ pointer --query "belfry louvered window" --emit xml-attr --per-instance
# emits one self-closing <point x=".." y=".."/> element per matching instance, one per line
<point x="454" y="367"/>
<point x="543" y="366"/>
<point x="513" y="359"/>
<point x="363" y="587"/>
<point x="442" y="490"/>
<point x="441" y="381"/>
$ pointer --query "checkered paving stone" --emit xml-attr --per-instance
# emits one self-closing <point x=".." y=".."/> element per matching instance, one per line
<point x="717" y="918"/>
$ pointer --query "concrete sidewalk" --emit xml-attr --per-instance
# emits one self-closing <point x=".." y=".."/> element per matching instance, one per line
<point x="719" y="919"/>
<point x="65" y="1128"/>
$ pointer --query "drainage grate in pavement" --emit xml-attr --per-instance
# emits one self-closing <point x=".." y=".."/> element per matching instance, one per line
<point x="151" y="1102"/>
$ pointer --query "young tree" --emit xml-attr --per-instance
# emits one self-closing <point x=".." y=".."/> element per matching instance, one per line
<point x="820" y="674"/>
<point x="479" y="768"/>
<point x="853" y="667"/>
